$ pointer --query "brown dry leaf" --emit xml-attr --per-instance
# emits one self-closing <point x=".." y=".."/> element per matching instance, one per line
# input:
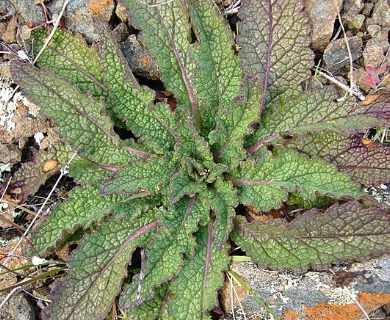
<point x="238" y="290"/>
<point x="265" y="216"/>
<point x="369" y="99"/>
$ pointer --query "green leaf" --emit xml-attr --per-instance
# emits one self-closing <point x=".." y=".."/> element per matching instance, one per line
<point x="79" y="117"/>
<point x="315" y="239"/>
<point x="194" y="290"/>
<point x="314" y="111"/>
<point x="188" y="141"/>
<point x="134" y="106"/>
<point x="151" y="175"/>
<point x="98" y="268"/>
<point x="234" y="124"/>
<point x="218" y="76"/>
<point x="182" y="185"/>
<point x="366" y="164"/>
<point x="84" y="207"/>
<point x="223" y="201"/>
<point x="266" y="184"/>
<point x="274" y="44"/>
<point x="166" y="31"/>
<point x="152" y="309"/>
<point x="165" y="254"/>
<point x="68" y="56"/>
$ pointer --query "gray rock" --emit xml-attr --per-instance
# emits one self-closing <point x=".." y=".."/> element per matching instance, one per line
<point x="322" y="15"/>
<point x="6" y="9"/>
<point x="336" y="53"/>
<point x="17" y="308"/>
<point x="375" y="31"/>
<point x="81" y="17"/>
<point x="380" y="14"/>
<point x="29" y="11"/>
<point x="351" y="8"/>
<point x="357" y="21"/>
<point x="121" y="32"/>
<point x="140" y="60"/>
<point x="373" y="53"/>
<point x="368" y="6"/>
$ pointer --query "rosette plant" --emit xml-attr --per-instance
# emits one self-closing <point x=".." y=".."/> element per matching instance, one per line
<point x="249" y="129"/>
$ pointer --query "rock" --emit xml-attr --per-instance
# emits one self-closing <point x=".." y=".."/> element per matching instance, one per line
<point x="322" y="15"/>
<point x="19" y="118"/>
<point x="10" y="153"/>
<point x="9" y="34"/>
<point x="350" y="10"/>
<point x="336" y="53"/>
<point x="368" y="6"/>
<point x="18" y="308"/>
<point x="375" y="31"/>
<point x="6" y="9"/>
<point x="373" y="53"/>
<point x="121" y="32"/>
<point x="120" y="11"/>
<point x="85" y="16"/>
<point x="29" y="11"/>
<point x="358" y="20"/>
<point x="380" y="14"/>
<point x="140" y="60"/>
<point x="285" y="292"/>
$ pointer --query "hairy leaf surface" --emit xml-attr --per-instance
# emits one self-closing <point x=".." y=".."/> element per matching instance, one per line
<point x="218" y="76"/>
<point x="234" y="124"/>
<point x="169" y="179"/>
<point x="315" y="239"/>
<point x="85" y="207"/>
<point x="80" y="120"/>
<point x="364" y="163"/>
<point x="165" y="254"/>
<point x="379" y="108"/>
<point x="166" y="31"/>
<point x="274" y="44"/>
<point x="315" y="111"/>
<point x="193" y="291"/>
<point x="150" y="176"/>
<point x="265" y="184"/>
<point x="68" y="56"/>
<point x="97" y="269"/>
<point x="130" y="103"/>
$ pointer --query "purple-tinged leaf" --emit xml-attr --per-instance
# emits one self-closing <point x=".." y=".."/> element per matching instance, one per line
<point x="315" y="239"/>
<point x="98" y="268"/>
<point x="166" y="31"/>
<point x="274" y="44"/>
<point x="378" y="106"/>
<point x="265" y="184"/>
<point x="316" y="111"/>
<point x="193" y="291"/>
<point x="365" y="162"/>
<point x="164" y="257"/>
<point x="79" y="117"/>
<point x="85" y="207"/>
<point x="218" y="76"/>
